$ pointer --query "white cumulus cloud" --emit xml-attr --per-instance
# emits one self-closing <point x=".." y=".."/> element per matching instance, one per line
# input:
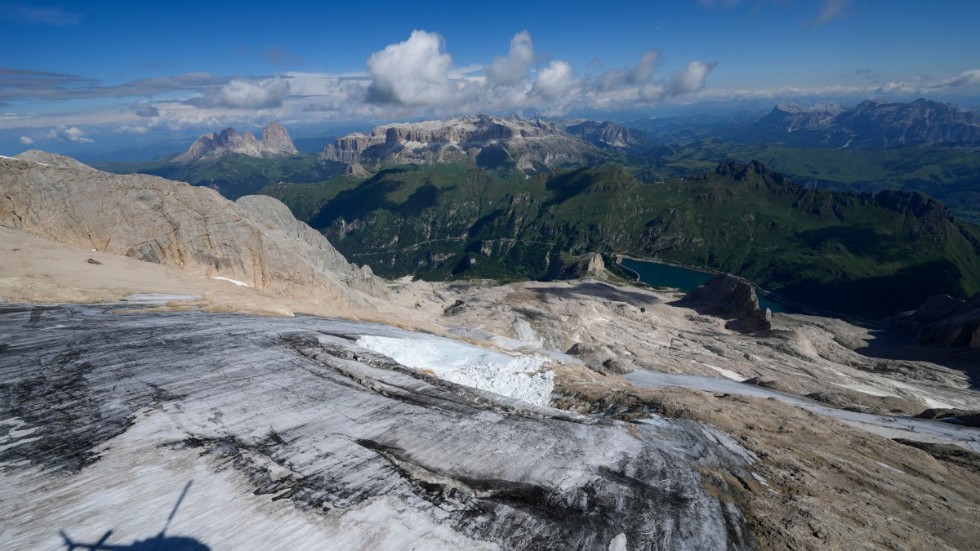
<point x="637" y="75"/>
<point x="26" y="140"/>
<point x="245" y="94"/>
<point x="555" y="80"/>
<point x="70" y="133"/>
<point x="512" y="68"/>
<point x="691" y="79"/>
<point x="412" y="73"/>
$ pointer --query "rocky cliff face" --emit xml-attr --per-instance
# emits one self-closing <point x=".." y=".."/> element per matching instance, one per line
<point x="275" y="142"/>
<point x="732" y="298"/>
<point x="254" y="240"/>
<point x="490" y="142"/>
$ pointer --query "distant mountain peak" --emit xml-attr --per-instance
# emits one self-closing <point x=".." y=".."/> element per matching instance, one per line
<point x="487" y="140"/>
<point x="606" y="133"/>
<point x="789" y="108"/>
<point x="275" y="142"/>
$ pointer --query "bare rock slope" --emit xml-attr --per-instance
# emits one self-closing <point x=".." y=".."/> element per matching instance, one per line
<point x="255" y="240"/>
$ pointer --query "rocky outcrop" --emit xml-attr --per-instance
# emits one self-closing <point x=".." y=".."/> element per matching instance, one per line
<point x="489" y="142"/>
<point x="943" y="321"/>
<point x="275" y="142"/>
<point x="255" y="240"/>
<point x="731" y="298"/>
<point x="567" y="267"/>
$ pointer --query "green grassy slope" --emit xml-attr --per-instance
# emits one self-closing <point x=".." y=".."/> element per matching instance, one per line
<point x="950" y="174"/>
<point x="862" y="254"/>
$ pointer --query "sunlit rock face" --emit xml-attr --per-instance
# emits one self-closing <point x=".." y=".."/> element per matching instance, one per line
<point x="255" y="240"/>
<point x="487" y="141"/>
<point x="275" y="142"/>
<point x="295" y="435"/>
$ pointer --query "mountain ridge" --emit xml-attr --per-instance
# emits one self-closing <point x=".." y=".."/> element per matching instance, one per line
<point x="873" y="124"/>
<point x="827" y="249"/>
<point x="530" y="145"/>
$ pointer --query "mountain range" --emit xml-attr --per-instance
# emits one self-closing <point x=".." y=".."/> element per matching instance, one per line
<point x="871" y="124"/>
<point x="484" y="140"/>
<point x="863" y="254"/>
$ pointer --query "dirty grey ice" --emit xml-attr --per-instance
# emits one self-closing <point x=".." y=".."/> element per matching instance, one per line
<point x="296" y="437"/>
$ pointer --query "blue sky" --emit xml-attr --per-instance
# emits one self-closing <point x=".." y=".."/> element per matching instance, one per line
<point x="84" y="74"/>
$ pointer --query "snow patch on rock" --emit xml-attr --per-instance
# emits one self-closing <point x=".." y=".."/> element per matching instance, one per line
<point x="727" y="373"/>
<point x="235" y="281"/>
<point x="516" y="376"/>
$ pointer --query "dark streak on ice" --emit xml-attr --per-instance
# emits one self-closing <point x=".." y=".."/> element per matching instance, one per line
<point x="308" y="416"/>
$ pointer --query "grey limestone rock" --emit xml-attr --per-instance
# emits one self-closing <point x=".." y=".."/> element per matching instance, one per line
<point x="194" y="229"/>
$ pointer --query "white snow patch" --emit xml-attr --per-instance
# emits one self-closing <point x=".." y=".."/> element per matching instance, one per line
<point x="235" y="281"/>
<point x="516" y="376"/>
<point x="160" y="298"/>
<point x="889" y="467"/>
<point x="926" y="398"/>
<point x="935" y="404"/>
<point x="618" y="543"/>
<point x="727" y="373"/>
<point x="864" y="389"/>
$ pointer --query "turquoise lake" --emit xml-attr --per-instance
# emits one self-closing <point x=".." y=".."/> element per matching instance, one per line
<point x="685" y="279"/>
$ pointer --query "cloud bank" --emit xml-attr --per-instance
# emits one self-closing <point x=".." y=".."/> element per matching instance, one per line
<point x="416" y="77"/>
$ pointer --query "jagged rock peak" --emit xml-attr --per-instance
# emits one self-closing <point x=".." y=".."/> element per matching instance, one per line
<point x="275" y="142"/>
<point x="275" y="136"/>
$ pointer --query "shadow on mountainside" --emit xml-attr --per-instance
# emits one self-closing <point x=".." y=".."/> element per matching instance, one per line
<point x="596" y="290"/>
<point x="893" y="345"/>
